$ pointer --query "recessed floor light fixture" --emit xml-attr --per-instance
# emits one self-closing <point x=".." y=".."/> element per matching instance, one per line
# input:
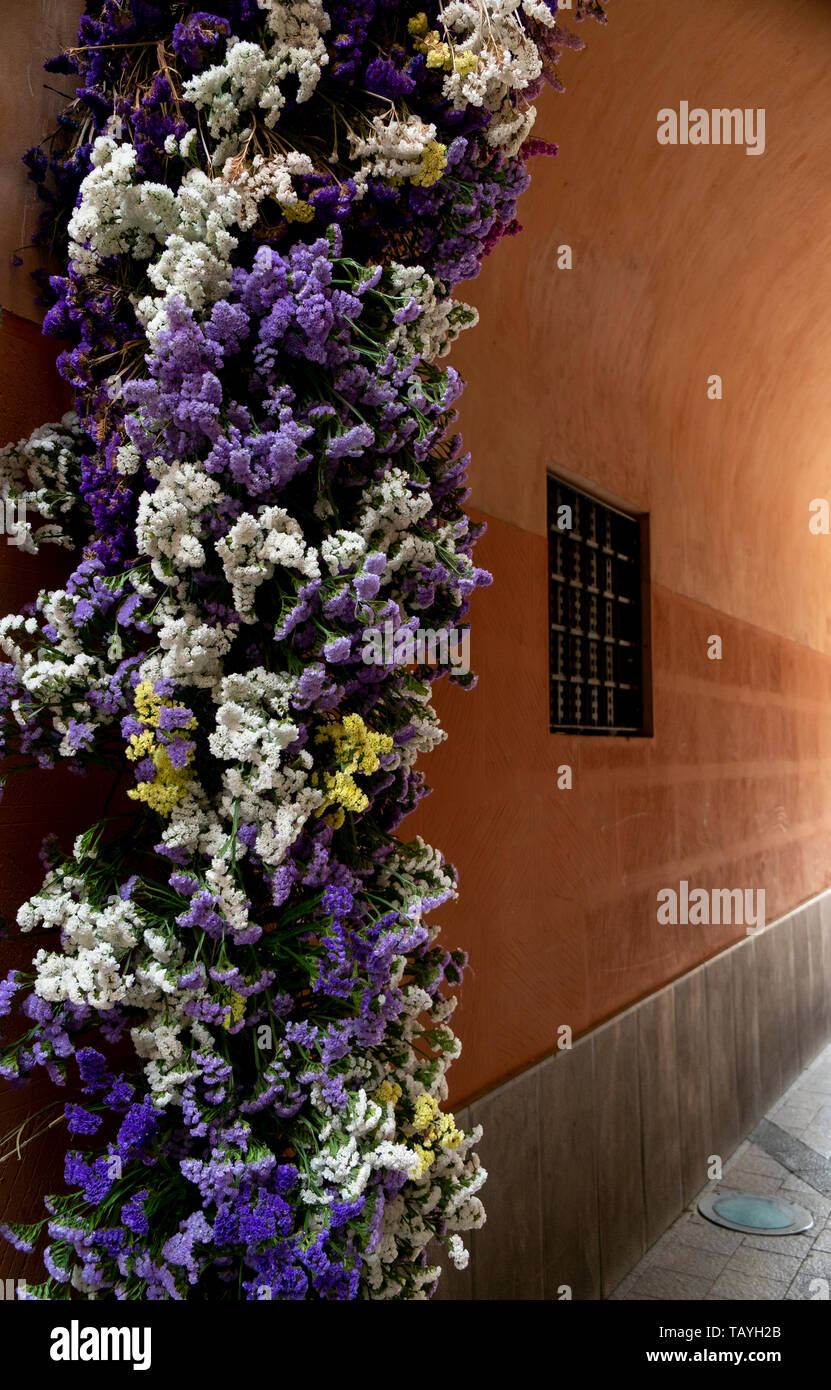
<point x="754" y="1214"/>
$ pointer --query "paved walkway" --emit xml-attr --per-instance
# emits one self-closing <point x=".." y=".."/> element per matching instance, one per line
<point x="788" y="1153"/>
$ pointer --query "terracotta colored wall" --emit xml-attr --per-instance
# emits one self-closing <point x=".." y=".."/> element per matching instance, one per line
<point x="33" y="30"/>
<point x="687" y="261"/>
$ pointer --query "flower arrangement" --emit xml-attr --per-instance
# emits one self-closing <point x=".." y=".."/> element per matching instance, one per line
<point x="261" y="213"/>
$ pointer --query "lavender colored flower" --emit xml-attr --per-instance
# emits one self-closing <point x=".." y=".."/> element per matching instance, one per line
<point x="81" y="1121"/>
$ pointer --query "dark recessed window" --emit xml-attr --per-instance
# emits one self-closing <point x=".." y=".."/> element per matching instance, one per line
<point x="598" y="605"/>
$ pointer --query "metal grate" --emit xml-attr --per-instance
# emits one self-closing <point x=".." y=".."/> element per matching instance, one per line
<point x="597" y="648"/>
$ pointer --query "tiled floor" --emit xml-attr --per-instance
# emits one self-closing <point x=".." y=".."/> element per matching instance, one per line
<point x="696" y="1260"/>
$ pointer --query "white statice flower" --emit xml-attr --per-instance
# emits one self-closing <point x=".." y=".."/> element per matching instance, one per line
<point x="464" y="1210"/>
<point x="266" y="178"/>
<point x="161" y="1043"/>
<point x="510" y="127"/>
<point x="407" y="549"/>
<point x="94" y="940"/>
<point x="184" y="148"/>
<point x="82" y="926"/>
<point x="427" y="734"/>
<point x="458" y="1253"/>
<point x="254" y="547"/>
<point x="342" y="551"/>
<point x="140" y="584"/>
<point x="279" y="813"/>
<point x="57" y="675"/>
<point x="356" y="1144"/>
<point x="392" y="148"/>
<point x="107" y="957"/>
<point x="441" y="1180"/>
<point x="57" y="606"/>
<point x="170" y="522"/>
<point x="85" y="847"/>
<point x="152" y="979"/>
<point x="60" y="670"/>
<point x="231" y="900"/>
<point x="231" y="87"/>
<point x="185" y="236"/>
<point x="410" y="550"/>
<point x="252" y="719"/>
<point x="159" y="946"/>
<point x="493" y="58"/>
<point x="390" y="507"/>
<point x="39" y="476"/>
<point x="191" y="820"/>
<point x="195" y="264"/>
<point x="115" y="214"/>
<point x="15" y="623"/>
<point x="441" y="319"/>
<point x="253" y="728"/>
<point x="190" y="650"/>
<point x="445" y="1190"/>
<point x="424" y="871"/>
<point x="251" y="78"/>
<point x="90" y="977"/>
<point x="127" y="459"/>
<point x="168" y="1033"/>
<point x="48" y="461"/>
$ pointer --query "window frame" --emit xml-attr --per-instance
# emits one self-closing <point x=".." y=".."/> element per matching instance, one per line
<point x="640" y="520"/>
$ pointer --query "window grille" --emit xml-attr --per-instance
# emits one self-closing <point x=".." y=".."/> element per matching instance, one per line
<point x="598" y="615"/>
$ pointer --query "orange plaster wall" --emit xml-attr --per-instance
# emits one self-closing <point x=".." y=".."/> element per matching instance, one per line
<point x="687" y="262"/>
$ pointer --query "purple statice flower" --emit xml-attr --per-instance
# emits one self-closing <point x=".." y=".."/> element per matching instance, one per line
<point x="138" y="1128"/>
<point x="23" y="1239"/>
<point x="56" y="1271"/>
<point x="95" y="1179"/>
<point x="133" y="1214"/>
<point x="185" y="884"/>
<point x="95" y="1074"/>
<point x="81" y="1121"/>
<point x="202" y="915"/>
<point x="282" y="881"/>
<point x="126" y="889"/>
<point x="387" y="79"/>
<point x="247" y="834"/>
<point x="8" y="989"/>
<point x="80" y="735"/>
<point x="120" y="1094"/>
<point x="196" y="40"/>
<point x="179" y="1249"/>
<point x="338" y="649"/>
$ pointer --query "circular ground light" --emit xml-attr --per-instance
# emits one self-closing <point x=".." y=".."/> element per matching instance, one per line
<point x="755" y="1215"/>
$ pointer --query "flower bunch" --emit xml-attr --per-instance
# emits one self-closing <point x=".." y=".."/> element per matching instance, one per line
<point x="264" y="208"/>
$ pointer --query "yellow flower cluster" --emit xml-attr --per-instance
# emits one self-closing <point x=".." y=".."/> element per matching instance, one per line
<point x="299" y="211"/>
<point x="439" y="53"/>
<point x="388" y="1091"/>
<point x="436" y="1131"/>
<point x="237" y="1002"/>
<point x="357" y="749"/>
<point x="170" y="783"/>
<point x="431" y="165"/>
